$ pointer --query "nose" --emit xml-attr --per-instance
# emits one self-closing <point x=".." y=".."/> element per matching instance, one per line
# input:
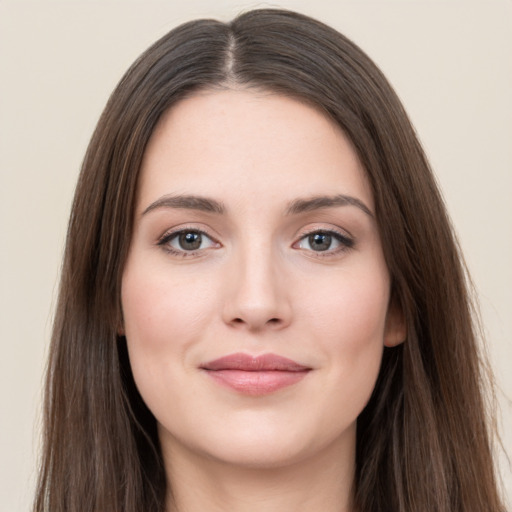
<point x="257" y="293"/>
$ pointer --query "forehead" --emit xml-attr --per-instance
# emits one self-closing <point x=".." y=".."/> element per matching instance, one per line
<point x="250" y="146"/>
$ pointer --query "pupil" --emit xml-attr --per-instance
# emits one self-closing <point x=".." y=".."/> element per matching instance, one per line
<point x="190" y="241"/>
<point x="320" y="241"/>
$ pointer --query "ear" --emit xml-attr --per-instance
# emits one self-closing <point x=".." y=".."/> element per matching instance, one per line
<point x="120" y="323"/>
<point x="395" y="330"/>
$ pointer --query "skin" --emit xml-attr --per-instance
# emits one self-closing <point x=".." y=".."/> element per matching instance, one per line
<point x="256" y="285"/>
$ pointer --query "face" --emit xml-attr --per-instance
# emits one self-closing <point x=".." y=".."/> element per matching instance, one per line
<point x="255" y="294"/>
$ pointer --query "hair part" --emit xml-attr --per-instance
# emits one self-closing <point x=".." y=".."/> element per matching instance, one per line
<point x="423" y="440"/>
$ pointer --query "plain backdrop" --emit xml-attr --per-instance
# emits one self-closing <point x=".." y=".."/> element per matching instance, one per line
<point x="450" y="62"/>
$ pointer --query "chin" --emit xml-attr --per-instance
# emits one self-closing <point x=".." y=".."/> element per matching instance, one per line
<point x="264" y="445"/>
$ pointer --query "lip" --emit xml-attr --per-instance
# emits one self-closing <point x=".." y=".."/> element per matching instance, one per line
<point x="259" y="375"/>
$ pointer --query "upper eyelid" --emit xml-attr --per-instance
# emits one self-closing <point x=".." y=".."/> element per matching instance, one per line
<point x="180" y="229"/>
<point x="170" y="233"/>
<point x="334" y="233"/>
<point x="343" y="236"/>
<point x="331" y="229"/>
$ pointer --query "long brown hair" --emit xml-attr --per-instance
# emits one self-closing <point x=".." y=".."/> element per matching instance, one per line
<point x="423" y="440"/>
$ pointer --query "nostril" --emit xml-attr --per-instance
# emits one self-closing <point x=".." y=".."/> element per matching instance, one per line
<point x="241" y="321"/>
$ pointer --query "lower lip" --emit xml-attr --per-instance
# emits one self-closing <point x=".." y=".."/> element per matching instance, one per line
<point x="257" y="382"/>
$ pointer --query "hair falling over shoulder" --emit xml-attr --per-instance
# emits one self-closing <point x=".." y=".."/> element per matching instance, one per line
<point x="424" y="441"/>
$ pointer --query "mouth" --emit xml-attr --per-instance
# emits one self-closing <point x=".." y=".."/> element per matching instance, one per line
<point x="255" y="375"/>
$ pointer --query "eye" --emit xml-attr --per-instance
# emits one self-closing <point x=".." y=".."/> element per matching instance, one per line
<point x="186" y="241"/>
<point x="325" y="241"/>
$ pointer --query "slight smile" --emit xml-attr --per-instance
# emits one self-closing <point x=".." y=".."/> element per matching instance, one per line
<point x="259" y="375"/>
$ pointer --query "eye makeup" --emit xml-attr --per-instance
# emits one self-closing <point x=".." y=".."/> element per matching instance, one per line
<point x="187" y="241"/>
<point x="192" y="241"/>
<point x="324" y="242"/>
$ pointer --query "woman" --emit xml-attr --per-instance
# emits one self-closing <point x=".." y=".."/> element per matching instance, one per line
<point x="262" y="304"/>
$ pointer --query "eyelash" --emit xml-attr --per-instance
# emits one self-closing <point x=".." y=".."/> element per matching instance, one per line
<point x="169" y="236"/>
<point x="346" y="242"/>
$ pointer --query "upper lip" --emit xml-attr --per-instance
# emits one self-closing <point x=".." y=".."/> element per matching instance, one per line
<point x="248" y="363"/>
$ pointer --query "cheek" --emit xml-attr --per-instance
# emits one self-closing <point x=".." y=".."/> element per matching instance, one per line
<point x="350" y="308"/>
<point x="164" y="315"/>
<point x="349" y="320"/>
<point x="161" y="310"/>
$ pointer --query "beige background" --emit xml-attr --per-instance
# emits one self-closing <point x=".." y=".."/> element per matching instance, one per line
<point x="450" y="62"/>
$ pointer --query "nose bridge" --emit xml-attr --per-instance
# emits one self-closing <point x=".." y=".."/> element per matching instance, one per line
<point x="257" y="294"/>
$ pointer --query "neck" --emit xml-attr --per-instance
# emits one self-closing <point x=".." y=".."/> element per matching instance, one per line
<point x="320" y="482"/>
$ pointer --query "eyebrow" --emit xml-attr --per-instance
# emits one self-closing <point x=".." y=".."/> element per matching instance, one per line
<point x="319" y="202"/>
<point x="187" y="202"/>
<point x="295" y="207"/>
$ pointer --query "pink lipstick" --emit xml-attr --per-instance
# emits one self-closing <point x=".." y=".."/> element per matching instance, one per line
<point x="255" y="375"/>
